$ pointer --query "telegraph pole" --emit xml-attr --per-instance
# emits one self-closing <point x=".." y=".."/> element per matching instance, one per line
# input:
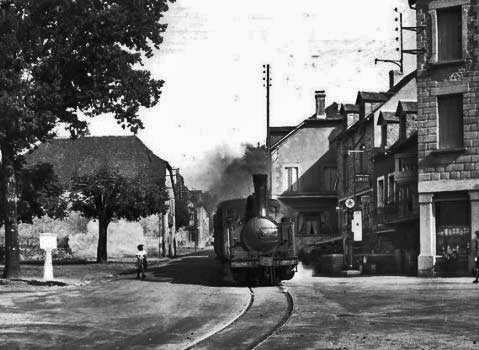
<point x="267" y="85"/>
<point x="400" y="39"/>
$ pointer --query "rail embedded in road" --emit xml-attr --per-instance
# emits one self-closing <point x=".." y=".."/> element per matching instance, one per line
<point x="269" y="309"/>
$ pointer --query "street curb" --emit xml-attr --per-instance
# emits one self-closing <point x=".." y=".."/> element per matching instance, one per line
<point x="221" y="327"/>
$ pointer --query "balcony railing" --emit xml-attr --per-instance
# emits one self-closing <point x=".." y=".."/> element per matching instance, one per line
<point x="397" y="212"/>
<point x="406" y="167"/>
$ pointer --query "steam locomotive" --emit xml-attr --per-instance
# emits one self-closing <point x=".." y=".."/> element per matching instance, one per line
<point x="254" y="239"/>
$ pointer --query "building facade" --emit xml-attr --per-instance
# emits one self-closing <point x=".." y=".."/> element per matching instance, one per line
<point x="304" y="173"/>
<point x="448" y="135"/>
<point x="371" y="126"/>
<point x="395" y="175"/>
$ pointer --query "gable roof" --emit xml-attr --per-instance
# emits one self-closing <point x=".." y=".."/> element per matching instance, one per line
<point x="398" y="146"/>
<point x="387" y="117"/>
<point x="396" y="88"/>
<point x="309" y="123"/>
<point x="349" y="108"/>
<point x="408" y="107"/>
<point x="368" y="96"/>
<point x="125" y="154"/>
<point x="333" y="118"/>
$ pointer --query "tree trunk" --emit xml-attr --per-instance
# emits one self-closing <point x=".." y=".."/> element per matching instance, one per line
<point x="12" y="252"/>
<point x="101" y="254"/>
<point x="164" y="234"/>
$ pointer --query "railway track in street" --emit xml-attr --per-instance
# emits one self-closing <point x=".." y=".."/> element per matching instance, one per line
<point x="268" y="310"/>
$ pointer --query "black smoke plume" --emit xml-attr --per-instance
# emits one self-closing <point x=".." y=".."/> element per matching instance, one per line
<point x="234" y="175"/>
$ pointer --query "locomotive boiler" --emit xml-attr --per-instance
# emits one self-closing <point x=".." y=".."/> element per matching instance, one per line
<point x="254" y="239"/>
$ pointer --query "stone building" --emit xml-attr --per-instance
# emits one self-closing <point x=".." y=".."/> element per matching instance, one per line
<point x="304" y="172"/>
<point x="396" y="224"/>
<point x="356" y="147"/>
<point x="448" y="136"/>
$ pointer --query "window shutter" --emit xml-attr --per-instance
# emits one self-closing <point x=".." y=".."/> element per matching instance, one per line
<point x="449" y="33"/>
<point x="450" y="121"/>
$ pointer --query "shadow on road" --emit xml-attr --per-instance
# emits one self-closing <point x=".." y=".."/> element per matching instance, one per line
<point x="199" y="268"/>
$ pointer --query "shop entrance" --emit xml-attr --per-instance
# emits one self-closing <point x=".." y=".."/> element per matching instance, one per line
<point x="453" y="233"/>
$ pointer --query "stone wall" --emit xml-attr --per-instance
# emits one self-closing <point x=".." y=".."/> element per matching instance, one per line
<point x="433" y="80"/>
<point x="78" y="237"/>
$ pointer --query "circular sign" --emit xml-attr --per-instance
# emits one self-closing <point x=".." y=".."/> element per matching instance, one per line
<point x="349" y="203"/>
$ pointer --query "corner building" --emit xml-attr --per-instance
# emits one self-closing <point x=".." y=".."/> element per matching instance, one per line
<point x="448" y="135"/>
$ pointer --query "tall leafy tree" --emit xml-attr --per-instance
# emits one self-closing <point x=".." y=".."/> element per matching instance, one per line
<point x="64" y="59"/>
<point x="39" y="194"/>
<point x="106" y="194"/>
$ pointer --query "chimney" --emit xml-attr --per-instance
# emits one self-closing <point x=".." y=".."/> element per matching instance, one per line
<point x="391" y="79"/>
<point x="320" y="97"/>
<point x="260" y="182"/>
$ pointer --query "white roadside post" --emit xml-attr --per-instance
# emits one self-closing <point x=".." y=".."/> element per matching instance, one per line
<point x="48" y="242"/>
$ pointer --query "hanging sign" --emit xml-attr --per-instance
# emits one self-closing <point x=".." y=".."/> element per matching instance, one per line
<point x="349" y="203"/>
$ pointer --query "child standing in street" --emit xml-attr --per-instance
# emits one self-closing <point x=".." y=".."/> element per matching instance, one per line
<point x="140" y="262"/>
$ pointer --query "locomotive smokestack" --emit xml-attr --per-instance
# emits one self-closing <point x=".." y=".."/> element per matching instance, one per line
<point x="260" y="182"/>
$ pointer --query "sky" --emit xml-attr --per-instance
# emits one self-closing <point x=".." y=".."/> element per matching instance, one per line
<point x="213" y="101"/>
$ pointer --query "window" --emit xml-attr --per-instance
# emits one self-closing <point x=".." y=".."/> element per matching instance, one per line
<point x="361" y="161"/>
<point x="314" y="223"/>
<point x="450" y="121"/>
<point x="330" y="178"/>
<point x="292" y="174"/>
<point x="380" y="191"/>
<point x="384" y="135"/>
<point x="391" y="188"/>
<point x="453" y="224"/>
<point x="449" y="26"/>
<point x="449" y="33"/>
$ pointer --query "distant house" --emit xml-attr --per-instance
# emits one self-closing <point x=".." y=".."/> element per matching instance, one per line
<point x="197" y="232"/>
<point x="304" y="172"/>
<point x="199" y="225"/>
<point x="124" y="154"/>
<point x="362" y="138"/>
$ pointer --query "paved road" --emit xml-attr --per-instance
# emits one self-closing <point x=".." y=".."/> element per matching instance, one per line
<point x="270" y="307"/>
<point x="380" y="313"/>
<point x="185" y="300"/>
<point x="179" y="302"/>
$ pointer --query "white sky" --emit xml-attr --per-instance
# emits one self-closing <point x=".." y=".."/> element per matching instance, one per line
<point x="213" y="99"/>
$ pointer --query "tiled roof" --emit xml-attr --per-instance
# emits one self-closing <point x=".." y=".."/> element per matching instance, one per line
<point x="125" y="154"/>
